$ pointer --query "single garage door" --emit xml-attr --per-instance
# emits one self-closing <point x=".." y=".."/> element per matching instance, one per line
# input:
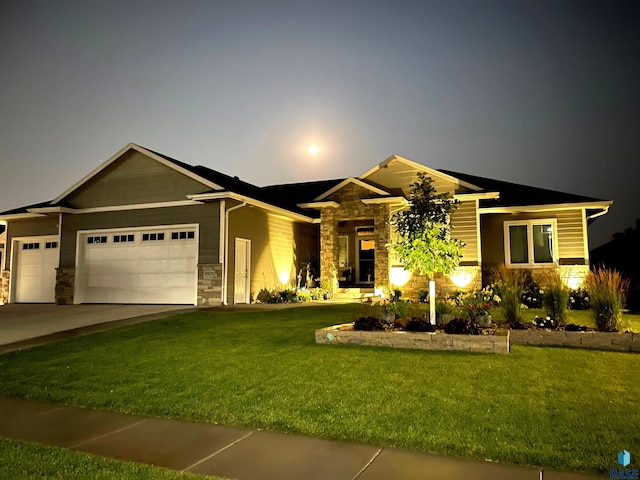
<point x="146" y="266"/>
<point x="36" y="260"/>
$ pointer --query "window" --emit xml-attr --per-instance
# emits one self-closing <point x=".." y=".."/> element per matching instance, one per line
<point x="123" y="238"/>
<point x="93" y="240"/>
<point x="529" y="242"/>
<point x="183" y="235"/>
<point x="152" y="237"/>
<point x="51" y="245"/>
<point x="343" y="251"/>
<point x="31" y="246"/>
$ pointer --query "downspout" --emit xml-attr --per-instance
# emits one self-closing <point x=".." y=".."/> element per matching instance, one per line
<point x="225" y="275"/>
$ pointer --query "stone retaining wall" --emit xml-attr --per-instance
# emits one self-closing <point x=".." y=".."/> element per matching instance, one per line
<point x="621" y="342"/>
<point x="417" y="340"/>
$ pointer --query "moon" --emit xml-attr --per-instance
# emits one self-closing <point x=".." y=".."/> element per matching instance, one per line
<point x="313" y="150"/>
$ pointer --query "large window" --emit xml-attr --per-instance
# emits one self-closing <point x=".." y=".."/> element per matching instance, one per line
<point x="530" y="242"/>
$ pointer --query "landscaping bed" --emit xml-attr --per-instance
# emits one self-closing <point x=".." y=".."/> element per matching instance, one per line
<point x="437" y="340"/>
<point x="485" y="340"/>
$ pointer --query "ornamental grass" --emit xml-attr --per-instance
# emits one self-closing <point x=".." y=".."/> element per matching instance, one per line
<point x="608" y="293"/>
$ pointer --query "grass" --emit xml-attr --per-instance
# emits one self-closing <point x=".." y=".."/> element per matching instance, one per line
<point x="568" y="409"/>
<point x="20" y="460"/>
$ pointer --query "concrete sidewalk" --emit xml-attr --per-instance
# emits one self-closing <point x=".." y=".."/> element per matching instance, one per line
<point x="238" y="453"/>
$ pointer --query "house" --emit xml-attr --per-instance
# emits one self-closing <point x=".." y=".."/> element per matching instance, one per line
<point x="146" y="228"/>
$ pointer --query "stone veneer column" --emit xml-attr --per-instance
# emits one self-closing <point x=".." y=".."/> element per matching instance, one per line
<point x="382" y="236"/>
<point x="4" y="286"/>
<point x="328" y="250"/>
<point x="65" y="284"/>
<point x="209" y="284"/>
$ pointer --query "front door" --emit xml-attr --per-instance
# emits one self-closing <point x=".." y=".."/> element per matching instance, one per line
<point x="242" y="274"/>
<point x="365" y="248"/>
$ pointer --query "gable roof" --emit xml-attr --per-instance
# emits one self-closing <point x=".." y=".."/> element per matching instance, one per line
<point x="181" y="167"/>
<point x="517" y="195"/>
<point x="356" y="181"/>
<point x="418" y="166"/>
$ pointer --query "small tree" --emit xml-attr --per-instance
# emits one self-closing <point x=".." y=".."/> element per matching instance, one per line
<point x="424" y="243"/>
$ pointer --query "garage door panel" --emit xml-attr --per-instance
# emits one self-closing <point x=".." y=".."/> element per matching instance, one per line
<point x="35" y="269"/>
<point x="142" y="271"/>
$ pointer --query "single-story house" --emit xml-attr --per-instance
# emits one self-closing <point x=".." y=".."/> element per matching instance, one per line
<point x="146" y="228"/>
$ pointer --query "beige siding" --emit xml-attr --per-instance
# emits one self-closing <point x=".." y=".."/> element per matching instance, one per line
<point x="571" y="241"/>
<point x="29" y="228"/>
<point x="133" y="179"/>
<point x="278" y="248"/>
<point x="401" y="175"/>
<point x="464" y="222"/>
<point x="206" y="215"/>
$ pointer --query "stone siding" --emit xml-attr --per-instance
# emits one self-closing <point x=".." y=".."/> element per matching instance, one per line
<point x="445" y="284"/>
<point x="4" y="286"/>
<point x="209" y="284"/>
<point x="620" y="342"/>
<point x="415" y="340"/>
<point x="65" y="284"/>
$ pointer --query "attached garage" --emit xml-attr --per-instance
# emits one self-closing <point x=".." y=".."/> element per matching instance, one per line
<point x="35" y="263"/>
<point x="150" y="265"/>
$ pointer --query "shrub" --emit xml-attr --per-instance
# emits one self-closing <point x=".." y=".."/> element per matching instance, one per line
<point x="462" y="326"/>
<point x="267" y="296"/>
<point x="423" y="296"/>
<point x="556" y="297"/>
<point x="572" y="327"/>
<point x="545" y="322"/>
<point x="607" y="292"/>
<point x="288" y="295"/>
<point x="419" y="325"/>
<point x="304" y="295"/>
<point x="367" y="324"/>
<point x="579" y="299"/>
<point x="531" y="295"/>
<point x="510" y="284"/>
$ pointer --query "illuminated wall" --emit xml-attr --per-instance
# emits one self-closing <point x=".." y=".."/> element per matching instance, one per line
<point x="278" y="248"/>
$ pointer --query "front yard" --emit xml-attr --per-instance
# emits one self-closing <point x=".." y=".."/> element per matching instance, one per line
<point x="568" y="409"/>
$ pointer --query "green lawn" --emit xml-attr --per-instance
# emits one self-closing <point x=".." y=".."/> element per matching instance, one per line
<point x="19" y="460"/>
<point x="562" y="408"/>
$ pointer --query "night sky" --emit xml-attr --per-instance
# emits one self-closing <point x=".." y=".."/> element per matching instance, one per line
<point x="545" y="93"/>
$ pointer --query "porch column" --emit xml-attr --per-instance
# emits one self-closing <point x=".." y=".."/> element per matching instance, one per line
<point x="4" y="286"/>
<point x="328" y="250"/>
<point x="382" y="237"/>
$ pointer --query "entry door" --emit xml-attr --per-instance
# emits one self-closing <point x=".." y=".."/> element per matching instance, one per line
<point x="242" y="274"/>
<point x="365" y="250"/>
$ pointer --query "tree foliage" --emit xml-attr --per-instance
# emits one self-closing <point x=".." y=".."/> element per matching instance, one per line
<point x="424" y="243"/>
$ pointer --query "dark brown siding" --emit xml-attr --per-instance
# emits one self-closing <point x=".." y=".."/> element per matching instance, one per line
<point x="134" y="179"/>
<point x="207" y="216"/>
<point x="571" y="239"/>
<point x="28" y="228"/>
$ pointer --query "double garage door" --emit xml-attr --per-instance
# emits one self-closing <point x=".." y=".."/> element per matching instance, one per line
<point x="147" y="266"/>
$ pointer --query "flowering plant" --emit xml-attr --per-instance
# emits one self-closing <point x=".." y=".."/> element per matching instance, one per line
<point x="480" y="302"/>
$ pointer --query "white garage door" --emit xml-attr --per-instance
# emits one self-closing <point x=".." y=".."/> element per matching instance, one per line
<point x="147" y="266"/>
<point x="36" y="260"/>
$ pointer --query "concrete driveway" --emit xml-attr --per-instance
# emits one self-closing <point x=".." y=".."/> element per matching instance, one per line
<point x="24" y="324"/>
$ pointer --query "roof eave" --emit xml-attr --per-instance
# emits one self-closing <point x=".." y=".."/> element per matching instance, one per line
<point x="251" y="201"/>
